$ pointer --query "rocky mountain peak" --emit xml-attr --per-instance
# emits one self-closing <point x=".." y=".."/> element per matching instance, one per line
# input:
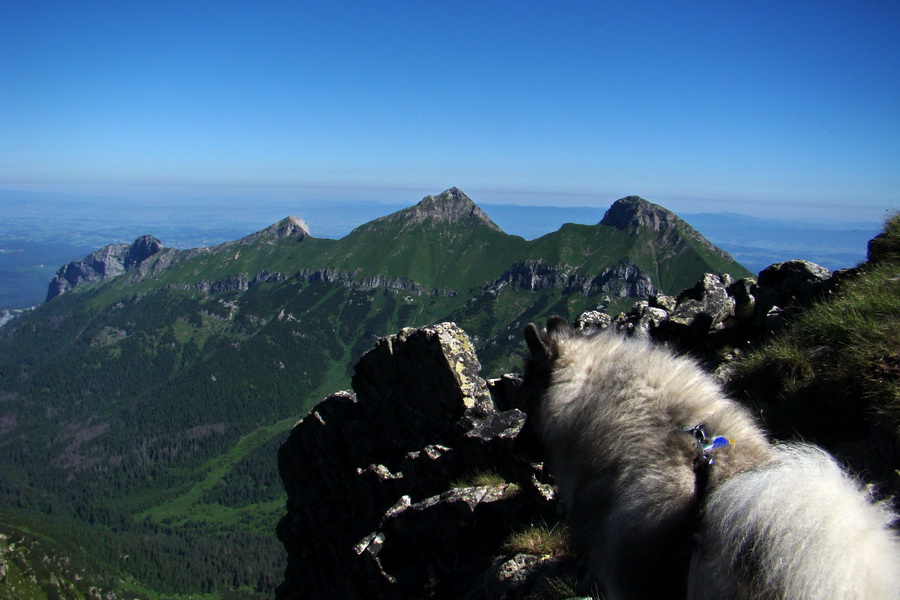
<point x="288" y="227"/>
<point x="105" y="263"/>
<point x="143" y="248"/>
<point x="634" y="212"/>
<point x="450" y="206"/>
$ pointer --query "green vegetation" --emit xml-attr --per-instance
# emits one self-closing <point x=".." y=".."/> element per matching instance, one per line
<point x="838" y="364"/>
<point x="479" y="478"/>
<point x="543" y="540"/>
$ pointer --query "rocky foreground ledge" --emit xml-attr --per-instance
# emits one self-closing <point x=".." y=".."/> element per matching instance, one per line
<point x="412" y="485"/>
<point x="378" y="500"/>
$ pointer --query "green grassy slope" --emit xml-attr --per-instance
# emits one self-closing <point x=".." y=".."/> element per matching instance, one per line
<point x="836" y="369"/>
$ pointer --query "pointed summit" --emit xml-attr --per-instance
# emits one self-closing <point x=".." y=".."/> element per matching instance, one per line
<point x="290" y="226"/>
<point x="633" y="212"/>
<point x="450" y="206"/>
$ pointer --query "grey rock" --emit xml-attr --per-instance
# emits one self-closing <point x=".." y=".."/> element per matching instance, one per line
<point x="795" y="282"/>
<point x="662" y="301"/>
<point x="706" y="305"/>
<point x="6" y="316"/>
<point x="526" y="576"/>
<point x="372" y="509"/>
<point x="104" y="263"/>
<point x="593" y="320"/>
<point x="624" y="279"/>
<point x="143" y="248"/>
<point x="718" y="316"/>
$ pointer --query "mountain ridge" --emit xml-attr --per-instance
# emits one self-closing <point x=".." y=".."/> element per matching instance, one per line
<point x="447" y="241"/>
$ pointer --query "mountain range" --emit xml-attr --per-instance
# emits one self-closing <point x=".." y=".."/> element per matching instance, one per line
<point x="141" y="405"/>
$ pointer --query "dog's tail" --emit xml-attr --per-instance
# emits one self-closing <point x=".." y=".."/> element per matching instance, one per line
<point x="797" y="527"/>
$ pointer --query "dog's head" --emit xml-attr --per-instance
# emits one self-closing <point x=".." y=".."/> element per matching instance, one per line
<point x="543" y="350"/>
<point x="543" y="344"/>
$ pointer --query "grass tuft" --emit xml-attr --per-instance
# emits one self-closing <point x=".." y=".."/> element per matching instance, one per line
<point x="543" y="540"/>
<point x="479" y="478"/>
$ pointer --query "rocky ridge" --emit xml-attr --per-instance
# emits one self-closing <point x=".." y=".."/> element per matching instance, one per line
<point x="147" y="256"/>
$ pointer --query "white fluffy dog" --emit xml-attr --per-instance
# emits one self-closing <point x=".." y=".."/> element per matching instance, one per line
<point x="673" y="491"/>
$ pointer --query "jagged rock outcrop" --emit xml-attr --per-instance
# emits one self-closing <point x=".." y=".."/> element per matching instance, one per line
<point x="143" y="248"/>
<point x="378" y="505"/>
<point x="104" y="263"/>
<point x="624" y="279"/>
<point x="718" y="315"/>
<point x="450" y="206"/>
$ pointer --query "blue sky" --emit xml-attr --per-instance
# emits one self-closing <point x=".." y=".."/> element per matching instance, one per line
<point x="765" y="108"/>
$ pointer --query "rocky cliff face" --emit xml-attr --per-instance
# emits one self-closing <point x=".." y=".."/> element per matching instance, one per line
<point x="624" y="279"/>
<point x="105" y="263"/>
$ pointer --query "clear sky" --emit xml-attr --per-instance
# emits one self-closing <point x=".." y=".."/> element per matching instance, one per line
<point x="765" y="108"/>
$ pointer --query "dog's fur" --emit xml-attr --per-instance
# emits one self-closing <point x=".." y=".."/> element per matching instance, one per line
<point x="765" y="521"/>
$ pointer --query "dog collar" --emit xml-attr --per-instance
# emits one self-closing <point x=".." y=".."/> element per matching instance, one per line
<point x="706" y="445"/>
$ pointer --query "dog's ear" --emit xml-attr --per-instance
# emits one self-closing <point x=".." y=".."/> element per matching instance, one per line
<point x="559" y="328"/>
<point x="542" y="344"/>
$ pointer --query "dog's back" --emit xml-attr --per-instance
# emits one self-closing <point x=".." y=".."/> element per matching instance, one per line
<point x="797" y="527"/>
<point x="611" y="414"/>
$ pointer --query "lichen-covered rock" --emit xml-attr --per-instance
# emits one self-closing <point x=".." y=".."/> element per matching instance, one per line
<point x="377" y="500"/>
<point x="526" y="576"/>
